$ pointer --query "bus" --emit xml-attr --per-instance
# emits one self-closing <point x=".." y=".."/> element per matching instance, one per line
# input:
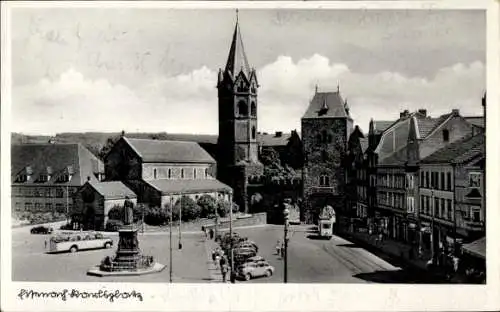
<point x="326" y="222"/>
<point x="76" y="241"/>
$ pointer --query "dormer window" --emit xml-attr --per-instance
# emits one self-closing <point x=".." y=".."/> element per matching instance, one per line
<point x="43" y="178"/>
<point x="206" y="173"/>
<point x="154" y="173"/>
<point x="170" y="173"/>
<point x="182" y="173"/>
<point x="194" y="173"/>
<point x="446" y="135"/>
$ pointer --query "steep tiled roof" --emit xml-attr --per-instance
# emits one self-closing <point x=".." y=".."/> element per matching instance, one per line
<point x="169" y="151"/>
<point x="477" y="121"/>
<point x="437" y="122"/>
<point x="167" y="186"/>
<point x="55" y="157"/>
<point x="426" y="125"/>
<point x="273" y="140"/>
<point x="382" y="125"/>
<point x="112" y="189"/>
<point x="459" y="151"/>
<point x="326" y="105"/>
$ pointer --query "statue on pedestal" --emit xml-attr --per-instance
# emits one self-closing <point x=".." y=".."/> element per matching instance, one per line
<point x="128" y="208"/>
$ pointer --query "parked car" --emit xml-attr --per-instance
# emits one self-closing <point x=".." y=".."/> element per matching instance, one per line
<point x="41" y="230"/>
<point x="255" y="269"/>
<point x="248" y="244"/>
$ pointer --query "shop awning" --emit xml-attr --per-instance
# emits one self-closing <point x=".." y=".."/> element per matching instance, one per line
<point x="476" y="248"/>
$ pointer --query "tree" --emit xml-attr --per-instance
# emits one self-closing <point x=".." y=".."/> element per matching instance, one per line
<point x="116" y="213"/>
<point x="223" y="207"/>
<point x="208" y="204"/>
<point x="110" y="142"/>
<point x="190" y="209"/>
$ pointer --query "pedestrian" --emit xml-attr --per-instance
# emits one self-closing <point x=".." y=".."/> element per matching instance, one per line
<point x="278" y="247"/>
<point x="217" y="260"/>
<point x="223" y="270"/>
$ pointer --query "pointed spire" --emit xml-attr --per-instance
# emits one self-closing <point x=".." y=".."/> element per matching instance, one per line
<point x="338" y="86"/>
<point x="237" y="59"/>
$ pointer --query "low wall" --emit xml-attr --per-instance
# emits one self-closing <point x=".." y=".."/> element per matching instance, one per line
<point x="253" y="219"/>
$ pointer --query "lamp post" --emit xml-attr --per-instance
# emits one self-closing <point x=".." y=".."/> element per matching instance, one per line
<point x="232" y="275"/>
<point x="180" y="224"/>
<point x="170" y="221"/>
<point x="286" y="213"/>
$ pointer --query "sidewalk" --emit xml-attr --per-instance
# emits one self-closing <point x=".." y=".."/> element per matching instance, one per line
<point x="214" y="272"/>
<point x="394" y="249"/>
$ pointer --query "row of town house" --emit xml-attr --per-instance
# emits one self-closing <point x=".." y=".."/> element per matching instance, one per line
<point x="420" y="180"/>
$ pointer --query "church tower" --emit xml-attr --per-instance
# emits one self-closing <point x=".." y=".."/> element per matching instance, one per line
<point x="237" y="142"/>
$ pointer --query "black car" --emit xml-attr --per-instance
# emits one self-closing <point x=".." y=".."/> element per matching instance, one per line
<point x="41" y="230"/>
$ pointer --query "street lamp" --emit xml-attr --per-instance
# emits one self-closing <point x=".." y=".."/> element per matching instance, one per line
<point x="232" y="275"/>
<point x="286" y="213"/>
<point x="180" y="224"/>
<point x="170" y="221"/>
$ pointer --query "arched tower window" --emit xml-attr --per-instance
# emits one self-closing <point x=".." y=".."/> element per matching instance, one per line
<point x="253" y="109"/>
<point x="446" y="135"/>
<point x="253" y="132"/>
<point x="242" y="108"/>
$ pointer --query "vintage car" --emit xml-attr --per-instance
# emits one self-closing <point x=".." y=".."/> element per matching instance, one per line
<point x="41" y="230"/>
<point x="254" y="269"/>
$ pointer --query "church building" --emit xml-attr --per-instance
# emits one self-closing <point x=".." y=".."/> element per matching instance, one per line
<point x="237" y="145"/>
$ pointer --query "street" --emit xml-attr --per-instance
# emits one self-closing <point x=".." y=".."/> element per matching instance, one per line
<point x="310" y="260"/>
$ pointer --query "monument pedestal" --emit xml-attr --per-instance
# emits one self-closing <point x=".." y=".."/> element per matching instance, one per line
<point x="128" y="259"/>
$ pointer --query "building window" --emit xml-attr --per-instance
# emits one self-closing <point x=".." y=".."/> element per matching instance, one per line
<point x="450" y="210"/>
<point x="446" y="135"/>
<point x="253" y="109"/>
<point x="475" y="213"/>
<point x="48" y="207"/>
<point x="28" y="206"/>
<point x="253" y="132"/>
<point x="421" y="182"/>
<point x="194" y="173"/>
<point x="427" y="179"/>
<point x="60" y="208"/>
<point x="59" y="192"/>
<point x="154" y="173"/>
<point x="442" y="181"/>
<point x="169" y="173"/>
<point x="448" y="181"/>
<point x="182" y="173"/>
<point x="475" y="180"/>
<point x="324" y="181"/>
<point x="38" y="207"/>
<point x="242" y="108"/>
<point x="206" y="173"/>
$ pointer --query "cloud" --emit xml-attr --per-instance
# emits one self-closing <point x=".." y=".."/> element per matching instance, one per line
<point x="188" y="102"/>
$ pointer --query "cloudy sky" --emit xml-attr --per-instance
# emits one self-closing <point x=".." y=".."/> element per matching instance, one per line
<point x="156" y="69"/>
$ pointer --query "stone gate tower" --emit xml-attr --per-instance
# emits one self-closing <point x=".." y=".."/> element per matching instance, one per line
<point x="237" y="142"/>
<point x="326" y="127"/>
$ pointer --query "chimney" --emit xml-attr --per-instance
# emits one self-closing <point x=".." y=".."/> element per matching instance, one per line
<point x="88" y="178"/>
<point x="278" y="134"/>
<point x="423" y="112"/>
<point x="455" y="111"/>
<point x="404" y="113"/>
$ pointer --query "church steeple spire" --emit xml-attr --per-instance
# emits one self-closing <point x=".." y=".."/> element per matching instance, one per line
<point x="237" y="60"/>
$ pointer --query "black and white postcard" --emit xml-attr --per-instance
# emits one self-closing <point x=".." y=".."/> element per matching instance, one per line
<point x="244" y="156"/>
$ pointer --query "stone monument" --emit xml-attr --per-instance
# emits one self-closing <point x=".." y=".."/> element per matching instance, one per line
<point x="128" y="259"/>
